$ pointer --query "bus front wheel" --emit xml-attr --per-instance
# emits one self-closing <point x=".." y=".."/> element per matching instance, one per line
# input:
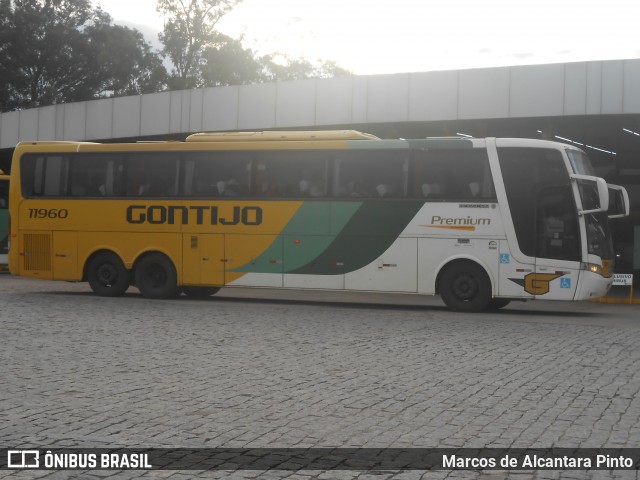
<point x="107" y="275"/>
<point x="498" y="303"/>
<point x="465" y="287"/>
<point x="156" y="276"/>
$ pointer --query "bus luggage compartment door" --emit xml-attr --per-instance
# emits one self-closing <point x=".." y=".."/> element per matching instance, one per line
<point x="203" y="259"/>
<point x="394" y="270"/>
<point x="65" y="256"/>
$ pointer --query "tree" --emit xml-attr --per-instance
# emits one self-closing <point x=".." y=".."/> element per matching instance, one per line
<point x="36" y="41"/>
<point x="228" y="63"/>
<point x="190" y="27"/>
<point x="278" y="67"/>
<point x="203" y="57"/>
<point x="126" y="63"/>
<point x="65" y="50"/>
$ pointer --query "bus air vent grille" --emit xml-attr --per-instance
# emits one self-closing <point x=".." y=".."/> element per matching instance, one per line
<point x="37" y="251"/>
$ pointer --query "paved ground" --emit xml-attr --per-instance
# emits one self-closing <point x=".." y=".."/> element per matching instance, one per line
<point x="255" y="368"/>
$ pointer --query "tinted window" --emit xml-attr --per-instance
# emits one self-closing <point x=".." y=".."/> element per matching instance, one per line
<point x="290" y="174"/>
<point x="217" y="174"/>
<point x="580" y="162"/>
<point x="526" y="173"/>
<point x="4" y="194"/>
<point x="152" y="175"/>
<point x="453" y="174"/>
<point x="557" y="233"/>
<point x="96" y="176"/>
<point x="44" y="176"/>
<point x="371" y="174"/>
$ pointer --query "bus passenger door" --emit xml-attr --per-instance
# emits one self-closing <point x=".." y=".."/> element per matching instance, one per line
<point x="203" y="259"/>
<point x="558" y="251"/>
<point x="65" y="256"/>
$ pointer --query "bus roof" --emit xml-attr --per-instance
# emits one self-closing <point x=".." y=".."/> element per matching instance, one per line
<point x="292" y="135"/>
<point x="50" y="142"/>
<point x="283" y="139"/>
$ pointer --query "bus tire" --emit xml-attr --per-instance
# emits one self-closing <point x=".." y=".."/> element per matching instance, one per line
<point x="465" y="287"/>
<point x="200" y="292"/>
<point x="156" y="276"/>
<point x="107" y="275"/>
<point x="498" y="303"/>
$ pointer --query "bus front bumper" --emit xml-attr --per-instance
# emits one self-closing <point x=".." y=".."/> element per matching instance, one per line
<point x="592" y="285"/>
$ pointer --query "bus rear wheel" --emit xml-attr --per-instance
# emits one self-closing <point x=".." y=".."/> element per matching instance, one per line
<point x="200" y="292"/>
<point x="107" y="275"/>
<point x="465" y="287"/>
<point x="156" y="277"/>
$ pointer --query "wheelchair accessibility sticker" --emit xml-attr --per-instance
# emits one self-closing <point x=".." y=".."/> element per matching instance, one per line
<point x="565" y="283"/>
<point x="505" y="258"/>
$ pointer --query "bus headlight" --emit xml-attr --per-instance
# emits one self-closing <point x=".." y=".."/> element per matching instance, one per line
<point x="591" y="267"/>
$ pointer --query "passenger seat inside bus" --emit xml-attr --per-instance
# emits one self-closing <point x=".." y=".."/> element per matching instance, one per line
<point x="474" y="189"/>
<point x="432" y="190"/>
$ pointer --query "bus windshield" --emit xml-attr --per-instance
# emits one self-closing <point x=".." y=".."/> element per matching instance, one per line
<point x="599" y="241"/>
<point x="580" y="163"/>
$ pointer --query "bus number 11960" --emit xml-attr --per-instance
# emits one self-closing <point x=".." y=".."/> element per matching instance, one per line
<point x="48" y="213"/>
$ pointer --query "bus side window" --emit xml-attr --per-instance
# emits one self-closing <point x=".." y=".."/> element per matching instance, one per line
<point x="44" y="175"/>
<point x="29" y="167"/>
<point x="371" y="174"/>
<point x="95" y="176"/>
<point x="217" y="174"/>
<point x="152" y="175"/>
<point x="290" y="174"/>
<point x="453" y="175"/>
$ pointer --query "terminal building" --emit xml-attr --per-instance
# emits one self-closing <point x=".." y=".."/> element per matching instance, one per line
<point x="594" y="105"/>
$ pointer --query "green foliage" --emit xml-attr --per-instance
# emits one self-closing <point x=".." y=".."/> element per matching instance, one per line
<point x="57" y="51"/>
<point x="125" y="61"/>
<point x="202" y="57"/>
<point x="227" y="63"/>
<point x="278" y="67"/>
<point x="190" y="27"/>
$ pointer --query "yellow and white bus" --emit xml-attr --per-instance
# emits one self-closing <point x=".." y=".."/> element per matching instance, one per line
<point x="479" y="221"/>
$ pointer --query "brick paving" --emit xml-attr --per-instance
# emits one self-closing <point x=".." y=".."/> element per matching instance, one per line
<point x="83" y="371"/>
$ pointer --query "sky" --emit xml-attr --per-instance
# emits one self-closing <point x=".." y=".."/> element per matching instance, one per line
<point x="368" y="37"/>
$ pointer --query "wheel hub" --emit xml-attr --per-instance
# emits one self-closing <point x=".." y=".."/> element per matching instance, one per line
<point x="107" y="274"/>
<point x="465" y="287"/>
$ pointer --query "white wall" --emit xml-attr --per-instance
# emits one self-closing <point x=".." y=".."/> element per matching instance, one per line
<point x="589" y="88"/>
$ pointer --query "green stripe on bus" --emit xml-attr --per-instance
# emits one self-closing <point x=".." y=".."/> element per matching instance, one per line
<point x="371" y="231"/>
<point x="332" y="238"/>
<point x="311" y="230"/>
